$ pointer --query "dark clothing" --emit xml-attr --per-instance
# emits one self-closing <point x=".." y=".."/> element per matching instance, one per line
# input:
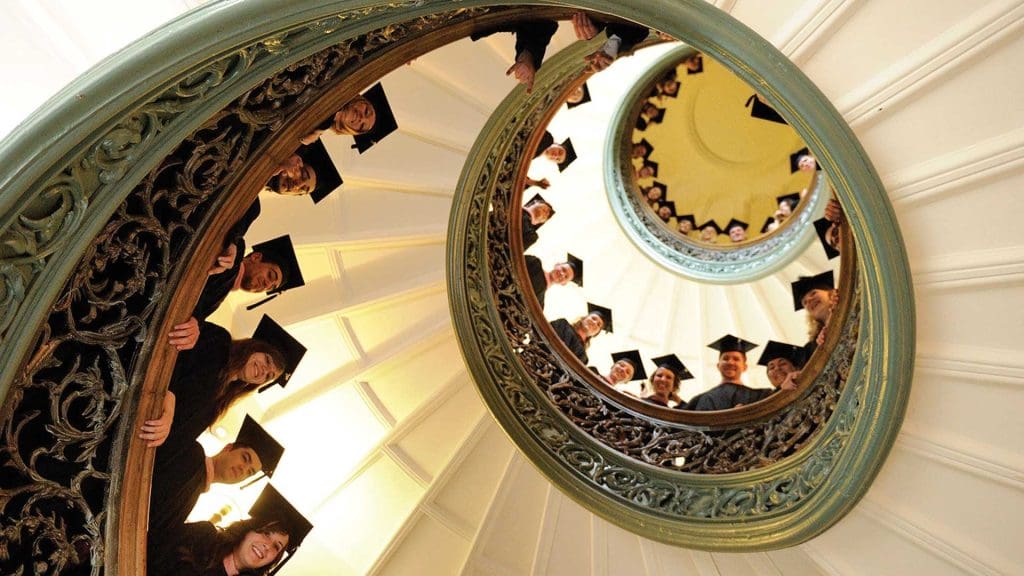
<point x="727" y="395"/>
<point x="809" y="349"/>
<point x="179" y="477"/>
<point x="572" y="340"/>
<point x="218" y="286"/>
<point x="532" y="36"/>
<point x="538" y="280"/>
<point x="198" y="541"/>
<point x="656" y="400"/>
<point x="631" y="34"/>
<point x="529" y="231"/>
<point x="195" y="383"/>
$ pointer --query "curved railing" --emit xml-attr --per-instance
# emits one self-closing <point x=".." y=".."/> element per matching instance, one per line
<point x="772" y="477"/>
<point x="95" y="251"/>
<point x="702" y="262"/>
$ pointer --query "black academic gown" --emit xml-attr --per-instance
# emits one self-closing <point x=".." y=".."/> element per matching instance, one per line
<point x="529" y="231"/>
<point x="538" y="280"/>
<point x="572" y="340"/>
<point x="532" y="36"/>
<point x="218" y="286"/>
<point x="179" y="478"/>
<point x="195" y="382"/>
<point x="631" y="34"/>
<point x="199" y="539"/>
<point x="727" y="395"/>
<point x="655" y="400"/>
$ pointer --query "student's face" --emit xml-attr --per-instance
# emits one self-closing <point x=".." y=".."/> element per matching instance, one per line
<point x="685" y="226"/>
<point x="260" y="275"/>
<point x="807" y="163"/>
<point x="654" y="193"/>
<point x="297" y="182"/>
<point x="662" y="382"/>
<point x="646" y="171"/>
<point x="622" y="371"/>
<point x="737" y="234"/>
<point x="562" y="273"/>
<point x="234" y="464"/>
<point x="257" y="550"/>
<point x="593" y="324"/>
<point x="778" y="369"/>
<point x="576" y="96"/>
<point x="670" y="87"/>
<point x="664" y="213"/>
<point x="708" y="234"/>
<point x="649" y="110"/>
<point x="555" y="153"/>
<point x="260" y="369"/>
<point x="732" y="365"/>
<point x="356" y="117"/>
<point x="784" y="208"/>
<point x="817" y="303"/>
<point x="540" y="212"/>
<point x="639" y="150"/>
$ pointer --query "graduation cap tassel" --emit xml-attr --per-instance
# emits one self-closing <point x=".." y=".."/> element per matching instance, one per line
<point x="259" y="477"/>
<point x="261" y="302"/>
<point x="281" y="565"/>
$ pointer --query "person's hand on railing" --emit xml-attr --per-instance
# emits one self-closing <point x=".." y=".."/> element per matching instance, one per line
<point x="184" y="335"/>
<point x="790" y="382"/>
<point x="155" y="432"/>
<point x="583" y="26"/>
<point x="225" y="261"/>
<point x="523" y="70"/>
<point x="834" y="212"/>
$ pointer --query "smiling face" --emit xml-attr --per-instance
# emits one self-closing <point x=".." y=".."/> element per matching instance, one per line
<point x="685" y="226"/>
<point x="664" y="213"/>
<point x="297" y="181"/>
<point x="778" y="369"/>
<point x="645" y="171"/>
<point x="622" y="371"/>
<point x="260" y="275"/>
<point x="663" y="381"/>
<point x="555" y="153"/>
<point x="539" y="212"/>
<point x="817" y="303"/>
<point x="234" y="464"/>
<point x="257" y="549"/>
<point x="654" y="193"/>
<point x="806" y="163"/>
<point x="593" y="324"/>
<point x="355" y="117"/>
<point x="732" y="365"/>
<point x="562" y="274"/>
<point x="737" y="234"/>
<point x="708" y="234"/>
<point x="639" y="150"/>
<point x="576" y="96"/>
<point x="260" y="369"/>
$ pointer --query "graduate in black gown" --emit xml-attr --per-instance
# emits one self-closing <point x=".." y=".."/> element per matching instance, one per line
<point x="182" y="472"/>
<point x="532" y="38"/>
<point x="627" y="366"/>
<point x="561" y="274"/>
<point x="732" y="363"/>
<point x="622" y="37"/>
<point x="665" y="381"/>
<point x="577" y="336"/>
<point x="310" y="171"/>
<point x="536" y="213"/>
<point x="562" y="154"/>
<point x="782" y="363"/>
<point x="260" y="545"/>
<point x="818" y="296"/>
<point x="368" y="118"/>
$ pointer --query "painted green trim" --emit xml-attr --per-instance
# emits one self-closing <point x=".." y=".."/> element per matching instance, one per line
<point x="688" y="258"/>
<point x="839" y="465"/>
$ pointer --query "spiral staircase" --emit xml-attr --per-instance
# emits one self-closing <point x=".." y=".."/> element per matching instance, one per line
<point x="413" y="476"/>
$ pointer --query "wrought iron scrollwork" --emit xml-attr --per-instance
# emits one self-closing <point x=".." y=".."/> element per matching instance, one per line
<point x="62" y="411"/>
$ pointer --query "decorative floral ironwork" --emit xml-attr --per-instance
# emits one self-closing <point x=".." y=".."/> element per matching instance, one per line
<point x="544" y="392"/>
<point x="61" y="415"/>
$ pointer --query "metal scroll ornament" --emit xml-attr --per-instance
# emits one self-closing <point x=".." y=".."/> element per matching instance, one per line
<point x="65" y="411"/>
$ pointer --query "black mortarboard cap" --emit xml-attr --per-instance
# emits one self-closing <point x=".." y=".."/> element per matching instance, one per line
<point x="605" y="313"/>
<point x="647" y="145"/>
<point x="539" y="198"/>
<point x="577" y="269"/>
<point x="670" y="204"/>
<point x="254" y="436"/>
<point x="673" y="363"/>
<point x="793" y="199"/>
<point x="280" y="251"/>
<point x="762" y="111"/>
<point x="822" y="225"/>
<point x="586" y="97"/>
<point x="545" y="142"/>
<point x="823" y="281"/>
<point x="641" y="124"/>
<point x="794" y="159"/>
<point x="730" y="343"/>
<point x="272" y="333"/>
<point x="734" y="223"/>
<point x="633" y="357"/>
<point x="384" y="122"/>
<point x="271" y="506"/>
<point x="570" y="154"/>
<point x="711" y="223"/>
<point x="327" y="177"/>
<point x="653" y="165"/>
<point x="768" y="222"/>
<point x="773" y="350"/>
